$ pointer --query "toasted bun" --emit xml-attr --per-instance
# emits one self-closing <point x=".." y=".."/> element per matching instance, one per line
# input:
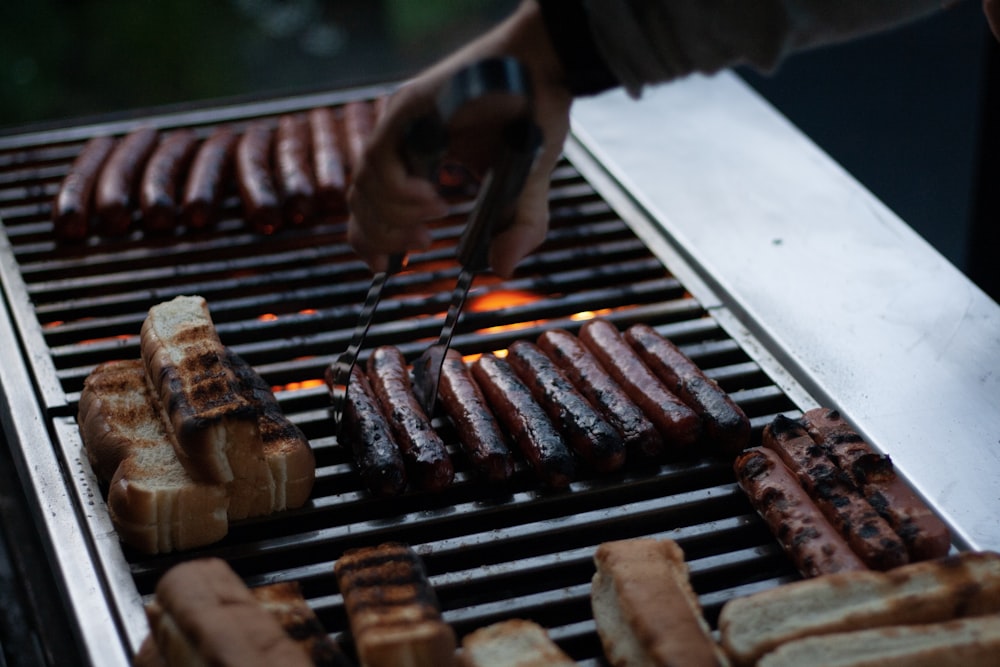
<point x="967" y="584"/>
<point x="970" y="642"/>
<point x="513" y="643"/>
<point x="645" y="609"/>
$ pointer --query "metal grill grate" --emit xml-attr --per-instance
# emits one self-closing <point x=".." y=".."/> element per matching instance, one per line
<point x="288" y="304"/>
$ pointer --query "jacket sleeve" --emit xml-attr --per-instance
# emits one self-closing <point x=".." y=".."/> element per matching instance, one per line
<point x="652" y="41"/>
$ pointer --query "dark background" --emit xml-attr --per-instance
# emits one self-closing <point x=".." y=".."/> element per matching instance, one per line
<point x="907" y="112"/>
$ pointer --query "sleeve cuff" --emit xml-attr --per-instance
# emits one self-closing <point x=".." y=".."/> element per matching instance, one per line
<point x="586" y="71"/>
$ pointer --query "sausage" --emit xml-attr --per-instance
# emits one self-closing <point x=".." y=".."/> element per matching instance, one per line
<point x="428" y="463"/>
<point x="375" y="452"/>
<point x="591" y="379"/>
<point x="924" y="534"/>
<point x="869" y="535"/>
<point x="478" y="432"/>
<point x="724" y="424"/>
<point x="294" y="169"/>
<point x="117" y="185"/>
<point x="358" y="121"/>
<point x="258" y="191"/>
<point x="582" y="425"/>
<point x="676" y="422"/>
<point x="207" y="179"/>
<point x="72" y="205"/>
<point x="812" y="543"/>
<point x="530" y="428"/>
<point x="328" y="161"/>
<point x="161" y="187"/>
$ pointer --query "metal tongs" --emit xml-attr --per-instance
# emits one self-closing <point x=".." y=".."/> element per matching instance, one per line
<point x="423" y="147"/>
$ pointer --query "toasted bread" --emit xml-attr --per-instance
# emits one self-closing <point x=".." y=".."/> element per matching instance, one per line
<point x="967" y="584"/>
<point x="392" y="609"/>
<point x="155" y="505"/>
<point x="513" y="643"/>
<point x="284" y="601"/>
<point x="645" y="609"/>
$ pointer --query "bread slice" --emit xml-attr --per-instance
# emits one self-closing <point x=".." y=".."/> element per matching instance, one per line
<point x="154" y="504"/>
<point x="969" y="642"/>
<point x="204" y="614"/>
<point x="284" y="601"/>
<point x="513" y="643"/>
<point x="392" y="609"/>
<point x="215" y="429"/>
<point x="966" y="584"/>
<point x="645" y="609"/>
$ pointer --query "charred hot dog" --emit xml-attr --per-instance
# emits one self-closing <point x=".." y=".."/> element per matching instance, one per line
<point x="72" y="207"/>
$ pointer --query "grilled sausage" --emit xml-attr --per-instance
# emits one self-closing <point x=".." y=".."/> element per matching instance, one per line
<point x="117" y="185"/>
<point x="676" y="422"/>
<point x="294" y="169"/>
<point x="869" y="535"/>
<point x="328" y="161"/>
<point x="724" y="424"/>
<point x="531" y="429"/>
<point x="161" y="186"/>
<point x="478" y="431"/>
<point x="72" y="205"/>
<point x="358" y="119"/>
<point x="801" y="528"/>
<point x="582" y="425"/>
<point x="427" y="460"/>
<point x="366" y="431"/>
<point x="924" y="534"/>
<point x="591" y="379"/>
<point x="258" y="191"/>
<point x="207" y="179"/>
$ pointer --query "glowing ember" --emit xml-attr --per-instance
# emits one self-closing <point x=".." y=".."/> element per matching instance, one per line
<point x="268" y="317"/>
<point x="502" y="299"/>
<point x="590" y="314"/>
<point x="296" y="386"/>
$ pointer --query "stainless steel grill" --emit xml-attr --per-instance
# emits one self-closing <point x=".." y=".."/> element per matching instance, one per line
<point x="288" y="304"/>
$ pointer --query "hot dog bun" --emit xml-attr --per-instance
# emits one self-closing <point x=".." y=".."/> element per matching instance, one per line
<point x="513" y="643"/>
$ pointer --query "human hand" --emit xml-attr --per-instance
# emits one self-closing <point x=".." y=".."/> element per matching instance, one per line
<point x="390" y="207"/>
<point x="992" y="10"/>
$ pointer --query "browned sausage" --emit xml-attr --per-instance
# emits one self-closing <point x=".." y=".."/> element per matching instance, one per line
<point x="258" y="191"/>
<point x="580" y="365"/>
<point x="925" y="535"/>
<point x="869" y="535"/>
<point x="477" y="428"/>
<point x="530" y="428"/>
<point x="724" y="424"/>
<point x="814" y="546"/>
<point x="426" y="457"/>
<point x="582" y="425"/>
<point x="161" y="187"/>
<point x="294" y="170"/>
<point x="366" y="431"/>
<point x="358" y="121"/>
<point x="72" y="206"/>
<point x="328" y="161"/>
<point x="117" y="186"/>
<point x="676" y="422"/>
<point x="210" y="173"/>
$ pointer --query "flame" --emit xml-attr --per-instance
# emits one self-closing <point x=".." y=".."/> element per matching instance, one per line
<point x="502" y="299"/>
<point x="267" y="317"/>
<point x="95" y="341"/>
<point x="295" y="386"/>
<point x="589" y="314"/>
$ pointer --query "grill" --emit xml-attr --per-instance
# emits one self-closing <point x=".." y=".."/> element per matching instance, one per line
<point x="288" y="303"/>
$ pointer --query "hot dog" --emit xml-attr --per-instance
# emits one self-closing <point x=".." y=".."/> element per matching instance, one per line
<point x="869" y="535"/>
<point x="531" y="429"/>
<point x="328" y="161"/>
<point x="114" y="198"/>
<point x="72" y="206"/>
<point x="804" y="533"/>
<point x="161" y="187"/>
<point x="366" y="431"/>
<point x="478" y="432"/>
<point x="293" y="169"/>
<point x="593" y="381"/>
<point x="676" y="422"/>
<point x="426" y="457"/>
<point x="924" y="534"/>
<point x="207" y="178"/>
<point x="584" y="428"/>
<point x="358" y="120"/>
<point x="258" y="191"/>
<point x="725" y="425"/>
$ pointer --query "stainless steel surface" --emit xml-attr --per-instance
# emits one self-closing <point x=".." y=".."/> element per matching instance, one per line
<point x="865" y="314"/>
